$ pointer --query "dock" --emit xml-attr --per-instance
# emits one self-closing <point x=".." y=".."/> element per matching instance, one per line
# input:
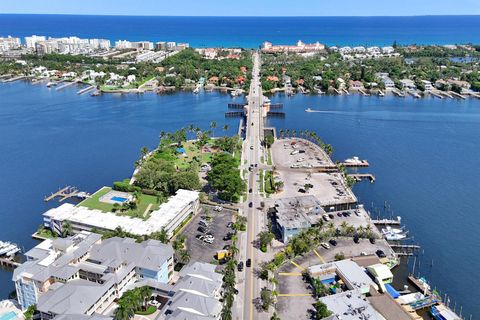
<point x="67" y="193"/>
<point x="360" y="164"/>
<point x="236" y="105"/>
<point x="398" y="93"/>
<point x="418" y="284"/>
<point x="82" y="91"/>
<point x="436" y="95"/>
<point x="9" y="263"/>
<point x="363" y="92"/>
<point x="66" y="84"/>
<point x="392" y="222"/>
<point x="414" y="94"/>
<point x="457" y="95"/>
<point x="14" y="79"/>
<point x="381" y="93"/>
<point x="232" y="114"/>
<point x="276" y="105"/>
<point x="362" y="176"/>
<point x="474" y="94"/>
<point x="276" y="114"/>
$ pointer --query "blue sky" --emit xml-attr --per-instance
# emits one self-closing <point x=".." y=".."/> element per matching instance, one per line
<point x="245" y="7"/>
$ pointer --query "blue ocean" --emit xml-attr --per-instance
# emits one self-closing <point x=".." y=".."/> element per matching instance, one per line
<point x="250" y="32"/>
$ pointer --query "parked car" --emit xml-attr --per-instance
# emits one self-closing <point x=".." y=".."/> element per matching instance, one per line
<point x="331" y="216"/>
<point x="325" y="245"/>
<point x="203" y="223"/>
<point x="202" y="229"/>
<point x="356" y="239"/>
<point x="208" y="240"/>
<point x="325" y="217"/>
<point x="346" y="214"/>
<point x="230" y="225"/>
<point x="372" y="240"/>
<point x="249" y="263"/>
<point x="250" y="205"/>
<point x="199" y="237"/>
<point x="250" y="190"/>
<point x="380" y="253"/>
<point x="240" y="266"/>
<point x="333" y="242"/>
<point x="339" y="214"/>
<point x="251" y="147"/>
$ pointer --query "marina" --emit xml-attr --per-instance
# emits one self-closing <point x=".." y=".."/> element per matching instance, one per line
<point x="67" y="193"/>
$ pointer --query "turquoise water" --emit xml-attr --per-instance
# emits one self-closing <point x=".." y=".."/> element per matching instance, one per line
<point x="119" y="199"/>
<point x="9" y="316"/>
<point x="424" y="154"/>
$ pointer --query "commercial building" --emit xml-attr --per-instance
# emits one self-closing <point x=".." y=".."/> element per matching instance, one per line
<point x="83" y="275"/>
<point x="168" y="216"/>
<point x="350" y="305"/>
<point x="292" y="215"/>
<point x="354" y="276"/>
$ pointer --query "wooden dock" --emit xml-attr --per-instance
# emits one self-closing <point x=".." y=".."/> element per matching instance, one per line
<point x="82" y="91"/>
<point x="231" y="114"/>
<point x="66" y="193"/>
<point x="362" y="176"/>
<point x="65" y="84"/>
<point x="436" y="95"/>
<point x="236" y="105"/>
<point x="276" y="105"/>
<point x="457" y="95"/>
<point x="362" y="164"/>
<point x="276" y="114"/>
<point x="9" y="263"/>
<point x="418" y="284"/>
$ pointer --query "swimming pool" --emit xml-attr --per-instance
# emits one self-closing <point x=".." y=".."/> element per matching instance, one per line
<point x="8" y="316"/>
<point x="117" y="199"/>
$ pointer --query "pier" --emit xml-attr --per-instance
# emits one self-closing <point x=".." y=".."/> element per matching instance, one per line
<point x="14" y="79"/>
<point x="9" y="263"/>
<point x="236" y="105"/>
<point x="276" y="106"/>
<point x="387" y="222"/>
<point x="67" y="193"/>
<point x="457" y="95"/>
<point x="380" y="93"/>
<point x="360" y="164"/>
<point x="65" y="85"/>
<point x="436" y="95"/>
<point x="276" y="114"/>
<point x="414" y="94"/>
<point x="398" y="93"/>
<point x="362" y="176"/>
<point x="82" y="91"/>
<point x="232" y="114"/>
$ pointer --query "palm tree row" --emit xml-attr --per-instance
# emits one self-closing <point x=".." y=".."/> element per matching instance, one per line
<point x="229" y="282"/>
<point x="132" y="301"/>
<point x="308" y="135"/>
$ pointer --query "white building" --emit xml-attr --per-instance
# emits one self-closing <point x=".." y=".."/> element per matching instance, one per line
<point x="9" y="43"/>
<point x="168" y="216"/>
<point x="84" y="275"/>
<point x="31" y="41"/>
<point x="428" y="85"/>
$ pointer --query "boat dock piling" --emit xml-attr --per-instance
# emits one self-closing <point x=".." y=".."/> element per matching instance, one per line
<point x="361" y="176"/>
<point x="398" y="93"/>
<point x="66" y="193"/>
<point x="9" y="263"/>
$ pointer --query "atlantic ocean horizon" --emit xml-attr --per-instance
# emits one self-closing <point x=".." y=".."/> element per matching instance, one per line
<point x="250" y="32"/>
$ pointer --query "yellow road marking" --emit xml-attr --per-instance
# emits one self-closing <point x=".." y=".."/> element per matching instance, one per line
<point x="294" y="295"/>
<point x="319" y="256"/>
<point x="297" y="265"/>
<point x="289" y="274"/>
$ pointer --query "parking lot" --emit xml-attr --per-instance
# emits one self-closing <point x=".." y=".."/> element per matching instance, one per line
<point x="298" y="152"/>
<point x="199" y="250"/>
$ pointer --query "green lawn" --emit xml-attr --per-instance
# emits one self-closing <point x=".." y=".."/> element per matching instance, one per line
<point x="192" y="151"/>
<point x="94" y="203"/>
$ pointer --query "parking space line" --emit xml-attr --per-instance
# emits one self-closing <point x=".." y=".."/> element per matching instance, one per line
<point x="294" y="295"/>
<point x="289" y="274"/>
<point x="297" y="265"/>
<point x="319" y="256"/>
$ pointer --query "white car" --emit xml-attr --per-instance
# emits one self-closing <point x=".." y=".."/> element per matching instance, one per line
<point x="300" y="159"/>
<point x="325" y="245"/>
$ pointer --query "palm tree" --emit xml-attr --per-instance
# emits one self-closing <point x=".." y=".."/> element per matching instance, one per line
<point x="213" y="125"/>
<point x="343" y="227"/>
<point x="67" y="229"/>
<point x="226" y="127"/>
<point x="281" y="133"/>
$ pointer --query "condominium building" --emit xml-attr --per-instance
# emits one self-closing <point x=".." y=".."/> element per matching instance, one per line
<point x="168" y="216"/>
<point x="9" y="43"/>
<point x="83" y="275"/>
